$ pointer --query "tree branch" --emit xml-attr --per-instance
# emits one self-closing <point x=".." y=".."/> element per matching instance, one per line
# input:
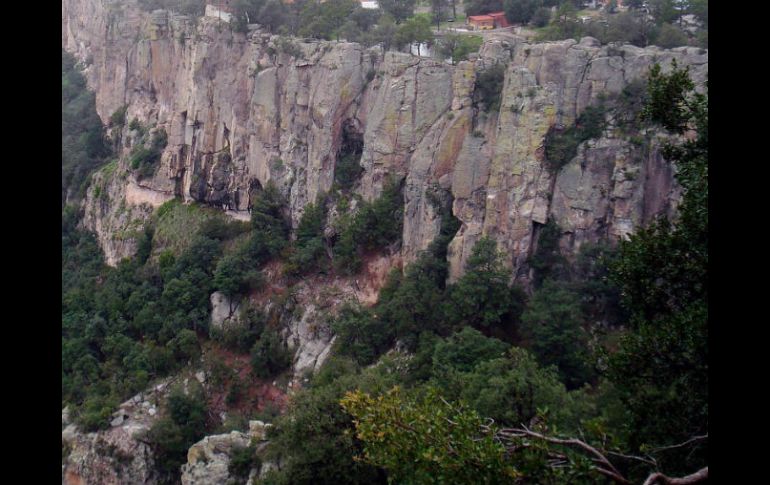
<point x="661" y="479"/>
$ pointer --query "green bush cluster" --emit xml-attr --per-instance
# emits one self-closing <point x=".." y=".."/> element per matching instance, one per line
<point x="458" y="47"/>
<point x="171" y="436"/>
<point x="375" y="225"/>
<point x="561" y="144"/>
<point x="489" y="87"/>
<point x="84" y="147"/>
<point x="144" y="159"/>
<point x="309" y="251"/>
<point x="270" y="356"/>
<point x="242" y="460"/>
<point x="633" y="26"/>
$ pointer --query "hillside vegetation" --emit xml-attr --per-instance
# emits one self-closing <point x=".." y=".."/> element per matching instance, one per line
<point x="597" y="372"/>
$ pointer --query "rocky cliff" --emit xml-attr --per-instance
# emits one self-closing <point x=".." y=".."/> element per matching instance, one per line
<point x="241" y="110"/>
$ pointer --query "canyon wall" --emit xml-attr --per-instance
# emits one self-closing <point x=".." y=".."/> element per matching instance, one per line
<point x="242" y="110"/>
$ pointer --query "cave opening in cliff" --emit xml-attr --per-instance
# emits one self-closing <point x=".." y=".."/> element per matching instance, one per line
<point x="348" y="169"/>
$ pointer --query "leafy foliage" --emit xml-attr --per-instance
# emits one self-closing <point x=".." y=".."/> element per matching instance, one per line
<point x="270" y="225"/>
<point x="144" y="159"/>
<point x="561" y="144"/>
<point x="399" y="10"/>
<point x="553" y="323"/>
<point x="242" y="460"/>
<point x="489" y="87"/>
<point x="171" y="436"/>
<point x="315" y="440"/>
<point x="480" y="7"/>
<point x="415" y="30"/>
<point x="520" y="11"/>
<point x="376" y="225"/>
<point x="669" y="314"/>
<point x="482" y="297"/>
<point x="83" y="144"/>
<point x="458" y="46"/>
<point x="426" y="440"/>
<point x="310" y="247"/>
<point x="269" y="355"/>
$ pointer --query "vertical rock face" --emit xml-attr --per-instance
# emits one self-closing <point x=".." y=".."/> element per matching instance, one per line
<point x="243" y="110"/>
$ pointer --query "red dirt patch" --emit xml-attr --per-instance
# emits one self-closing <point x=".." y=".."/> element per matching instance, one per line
<point x="257" y="393"/>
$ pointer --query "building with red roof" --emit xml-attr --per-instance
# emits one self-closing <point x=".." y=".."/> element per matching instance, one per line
<point x="493" y="20"/>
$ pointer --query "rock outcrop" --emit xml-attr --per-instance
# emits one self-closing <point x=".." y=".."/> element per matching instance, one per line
<point x="242" y="110"/>
<point x="245" y="110"/>
<point x="116" y="455"/>
<point x="208" y="460"/>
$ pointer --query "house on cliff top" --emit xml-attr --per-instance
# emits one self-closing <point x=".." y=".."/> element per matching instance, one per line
<point x="493" y="20"/>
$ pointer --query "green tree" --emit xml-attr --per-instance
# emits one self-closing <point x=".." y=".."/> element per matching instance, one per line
<point x="513" y="390"/>
<point x="273" y="15"/>
<point x="489" y="86"/>
<point x="83" y="144"/>
<point x="438" y="10"/>
<point x="465" y="349"/>
<point x="670" y="36"/>
<point x="541" y="16"/>
<point x="400" y="10"/>
<point x="315" y="439"/>
<point x="242" y="460"/>
<point x="553" y="324"/>
<point x="271" y="229"/>
<point x="520" y="11"/>
<point x="171" y="436"/>
<point x="480" y="7"/>
<point x="426" y="440"/>
<point x="383" y="33"/>
<point x="270" y="355"/>
<point x="234" y="275"/>
<point x="360" y="335"/>
<point x="310" y="247"/>
<point x="482" y="297"/>
<point x="458" y="46"/>
<point x="415" y="30"/>
<point x="661" y="366"/>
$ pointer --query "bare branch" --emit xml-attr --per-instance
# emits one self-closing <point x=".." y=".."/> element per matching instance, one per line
<point x="661" y="479"/>
<point x="648" y="460"/>
<point x="685" y="443"/>
<point x="607" y="469"/>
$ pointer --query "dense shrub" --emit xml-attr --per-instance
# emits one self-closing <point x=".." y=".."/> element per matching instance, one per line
<point x="269" y="356"/>
<point x="561" y="144"/>
<point x="489" y="87"/>
<point x="554" y="326"/>
<point x="144" y="159"/>
<point x="315" y="440"/>
<point x="547" y="261"/>
<point x="376" y="225"/>
<point x="241" y="336"/>
<point x="242" y="460"/>
<point x="171" y="436"/>
<point x="482" y="297"/>
<point x="83" y="143"/>
<point x="270" y="225"/>
<point x="309" y="253"/>
<point x="360" y="335"/>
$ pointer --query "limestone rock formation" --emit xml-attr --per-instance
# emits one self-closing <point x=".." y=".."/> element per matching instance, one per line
<point x="208" y="459"/>
<point x="241" y="110"/>
<point x="116" y="455"/>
